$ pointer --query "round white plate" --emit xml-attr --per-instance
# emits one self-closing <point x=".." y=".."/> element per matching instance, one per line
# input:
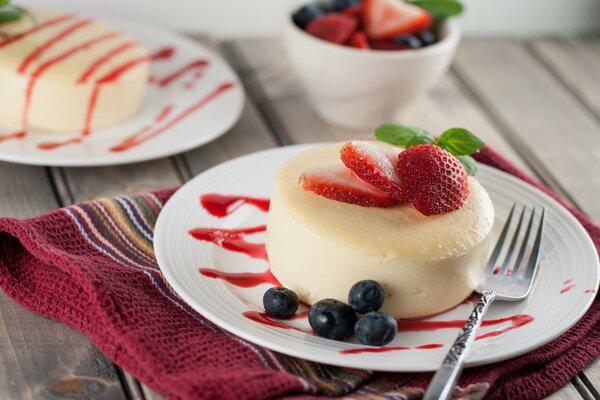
<point x="200" y="127"/>
<point x="564" y="289"/>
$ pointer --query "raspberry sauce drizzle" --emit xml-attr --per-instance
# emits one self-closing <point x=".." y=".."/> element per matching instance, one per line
<point x="47" y="45"/>
<point x="242" y="279"/>
<point x="132" y="142"/>
<point x="220" y="205"/>
<point x="233" y="239"/>
<point x="197" y="65"/>
<point x="42" y="25"/>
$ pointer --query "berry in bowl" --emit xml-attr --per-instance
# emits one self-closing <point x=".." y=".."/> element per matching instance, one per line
<point x="365" y="61"/>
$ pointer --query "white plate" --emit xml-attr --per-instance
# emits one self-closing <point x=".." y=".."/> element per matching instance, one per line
<point x="569" y="264"/>
<point x="202" y="126"/>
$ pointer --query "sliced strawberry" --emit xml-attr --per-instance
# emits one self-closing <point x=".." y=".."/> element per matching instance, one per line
<point x="386" y="19"/>
<point x="337" y="182"/>
<point x="433" y="180"/>
<point x="335" y="28"/>
<point x="375" y="163"/>
<point x="359" y="40"/>
<point x="354" y="11"/>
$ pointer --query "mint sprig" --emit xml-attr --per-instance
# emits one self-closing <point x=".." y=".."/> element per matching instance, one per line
<point x="440" y="10"/>
<point x="458" y="141"/>
<point x="11" y="13"/>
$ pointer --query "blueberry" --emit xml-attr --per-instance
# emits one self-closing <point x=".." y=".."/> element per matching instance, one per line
<point x="426" y="37"/>
<point x="280" y="302"/>
<point x="332" y="319"/>
<point x="341" y="5"/>
<point x="376" y="329"/>
<point x="366" y="296"/>
<point x="307" y="13"/>
<point x="409" y="41"/>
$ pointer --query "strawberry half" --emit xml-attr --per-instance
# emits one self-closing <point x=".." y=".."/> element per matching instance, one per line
<point x="334" y="28"/>
<point x="433" y="180"/>
<point x="386" y="19"/>
<point x="374" y="163"/>
<point x="337" y="182"/>
<point x="359" y="40"/>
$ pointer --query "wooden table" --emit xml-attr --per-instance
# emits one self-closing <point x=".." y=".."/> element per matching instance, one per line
<point x="538" y="102"/>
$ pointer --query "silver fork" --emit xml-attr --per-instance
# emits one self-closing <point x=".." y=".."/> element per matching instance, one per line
<point x="495" y="285"/>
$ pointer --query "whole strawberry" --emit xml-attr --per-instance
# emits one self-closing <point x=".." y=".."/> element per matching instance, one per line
<point x="433" y="180"/>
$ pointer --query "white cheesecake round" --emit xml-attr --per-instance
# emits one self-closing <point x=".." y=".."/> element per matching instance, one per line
<point x="320" y="247"/>
<point x="51" y="65"/>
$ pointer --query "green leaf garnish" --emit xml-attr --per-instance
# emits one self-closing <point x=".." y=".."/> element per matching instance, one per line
<point x="440" y="9"/>
<point x="403" y="136"/>
<point x="460" y="142"/>
<point x="11" y="13"/>
<point x="469" y="163"/>
<point x="457" y="141"/>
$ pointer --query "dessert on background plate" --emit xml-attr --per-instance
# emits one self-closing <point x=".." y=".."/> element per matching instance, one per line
<point x="62" y="73"/>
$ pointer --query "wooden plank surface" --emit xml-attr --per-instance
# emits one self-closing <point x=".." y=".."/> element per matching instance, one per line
<point x="40" y="358"/>
<point x="544" y="123"/>
<point x="577" y="64"/>
<point x="280" y="98"/>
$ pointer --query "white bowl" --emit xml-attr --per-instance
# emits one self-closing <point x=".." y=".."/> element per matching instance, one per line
<point x="361" y="89"/>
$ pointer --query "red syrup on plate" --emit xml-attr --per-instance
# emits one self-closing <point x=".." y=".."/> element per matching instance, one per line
<point x="220" y="205"/>
<point x="233" y="240"/>
<point x="197" y="66"/>
<point x="242" y="279"/>
<point x="567" y="288"/>
<point x="133" y="142"/>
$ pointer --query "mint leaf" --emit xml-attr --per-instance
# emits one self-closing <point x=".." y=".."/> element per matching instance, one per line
<point x="402" y="135"/>
<point x="440" y="9"/>
<point x="10" y="14"/>
<point x="460" y="142"/>
<point x="469" y="163"/>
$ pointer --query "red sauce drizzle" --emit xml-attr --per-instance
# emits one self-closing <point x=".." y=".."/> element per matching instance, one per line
<point x="385" y="349"/>
<point x="133" y="141"/>
<point x="421" y="325"/>
<point x="104" y="59"/>
<point x="15" y="135"/>
<point x="242" y="279"/>
<point x="222" y="205"/>
<point x="233" y="239"/>
<point x="567" y="288"/>
<point x="262" y="318"/>
<point x="39" y="51"/>
<point x="196" y="65"/>
<point x="42" y="25"/>
<point x="61" y="57"/>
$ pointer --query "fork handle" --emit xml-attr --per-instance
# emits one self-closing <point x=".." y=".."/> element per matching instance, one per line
<point x="446" y="376"/>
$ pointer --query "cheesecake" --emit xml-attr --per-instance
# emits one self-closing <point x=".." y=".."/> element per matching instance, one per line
<point x="320" y="248"/>
<point x="64" y="73"/>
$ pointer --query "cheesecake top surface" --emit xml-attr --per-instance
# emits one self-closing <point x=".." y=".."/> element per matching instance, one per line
<point x="399" y="230"/>
<point x="65" y="46"/>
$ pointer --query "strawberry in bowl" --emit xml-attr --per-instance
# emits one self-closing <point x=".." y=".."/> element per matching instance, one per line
<point x="375" y="24"/>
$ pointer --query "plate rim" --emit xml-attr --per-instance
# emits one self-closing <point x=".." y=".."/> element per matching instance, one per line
<point x="366" y="364"/>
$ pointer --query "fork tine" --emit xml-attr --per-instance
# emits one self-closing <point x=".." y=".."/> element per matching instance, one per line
<point x="517" y="264"/>
<point x="535" y="251"/>
<point x="494" y="257"/>
<point x="513" y="244"/>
